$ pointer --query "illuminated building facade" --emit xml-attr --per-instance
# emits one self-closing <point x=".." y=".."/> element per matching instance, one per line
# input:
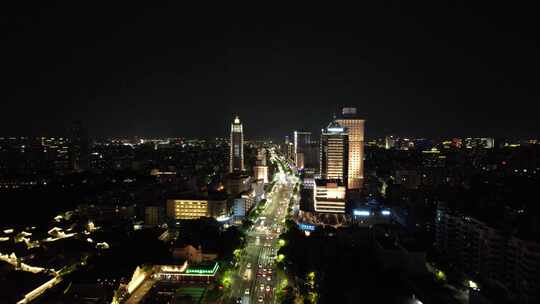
<point x="197" y="272"/>
<point x="260" y="170"/>
<point x="307" y="192"/>
<point x="302" y="141"/>
<point x="236" y="161"/>
<point x="389" y="142"/>
<point x="355" y="129"/>
<point x="185" y="209"/>
<point x="329" y="196"/>
<point x="334" y="153"/>
<point x="288" y="149"/>
<point x="479" y="143"/>
<point x="261" y="173"/>
<point x="261" y="157"/>
<point x="237" y="183"/>
<point x="242" y="204"/>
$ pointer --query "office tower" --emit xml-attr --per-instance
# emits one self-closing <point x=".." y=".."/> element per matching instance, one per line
<point x="285" y="147"/>
<point x="79" y="147"/>
<point x="307" y="190"/>
<point x="312" y="157"/>
<point x="260" y="170"/>
<point x="355" y="129"/>
<point x="242" y="204"/>
<point x="301" y="144"/>
<point x="236" y="162"/>
<point x="329" y="196"/>
<point x="335" y="153"/>
<point x="260" y="159"/>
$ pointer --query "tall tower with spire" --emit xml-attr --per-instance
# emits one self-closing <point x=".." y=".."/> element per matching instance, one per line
<point x="236" y="159"/>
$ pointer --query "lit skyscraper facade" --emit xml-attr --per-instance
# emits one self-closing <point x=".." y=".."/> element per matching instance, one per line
<point x="260" y="170"/>
<point x="236" y="160"/>
<point x="335" y="153"/>
<point x="301" y="144"/>
<point x="355" y="129"/>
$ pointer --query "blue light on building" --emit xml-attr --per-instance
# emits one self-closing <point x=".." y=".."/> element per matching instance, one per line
<point x="361" y="213"/>
<point x="306" y="227"/>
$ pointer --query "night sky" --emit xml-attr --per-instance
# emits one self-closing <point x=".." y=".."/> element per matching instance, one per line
<point x="127" y="70"/>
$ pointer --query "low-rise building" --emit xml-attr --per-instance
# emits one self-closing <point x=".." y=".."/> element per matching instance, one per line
<point x="203" y="272"/>
<point x="192" y="254"/>
<point x="196" y="206"/>
<point x="481" y="251"/>
<point x="329" y="196"/>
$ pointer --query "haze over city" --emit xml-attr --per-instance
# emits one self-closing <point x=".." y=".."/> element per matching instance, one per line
<point x="414" y="70"/>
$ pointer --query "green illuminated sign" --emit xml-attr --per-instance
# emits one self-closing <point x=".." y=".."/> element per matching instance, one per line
<point x="203" y="271"/>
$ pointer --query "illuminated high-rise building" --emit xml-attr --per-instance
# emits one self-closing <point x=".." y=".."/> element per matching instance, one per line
<point x="260" y="170"/>
<point x="236" y="160"/>
<point x="335" y="153"/>
<point x="288" y="149"/>
<point x="355" y="129"/>
<point x="301" y="145"/>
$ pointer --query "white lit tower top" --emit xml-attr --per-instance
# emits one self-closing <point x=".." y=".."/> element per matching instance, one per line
<point x="236" y="160"/>
<point x="335" y="153"/>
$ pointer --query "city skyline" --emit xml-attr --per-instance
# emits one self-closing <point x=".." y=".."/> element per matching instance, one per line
<point x="169" y="153"/>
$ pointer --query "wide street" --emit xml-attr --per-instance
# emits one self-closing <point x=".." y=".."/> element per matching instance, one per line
<point x="256" y="279"/>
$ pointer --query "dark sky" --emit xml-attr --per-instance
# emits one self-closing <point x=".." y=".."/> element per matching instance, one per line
<point x="444" y="70"/>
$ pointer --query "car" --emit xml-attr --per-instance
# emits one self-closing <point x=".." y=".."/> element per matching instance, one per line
<point x="268" y="288"/>
<point x="260" y="299"/>
<point x="246" y="292"/>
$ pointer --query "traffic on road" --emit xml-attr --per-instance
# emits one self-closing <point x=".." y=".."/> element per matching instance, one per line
<point x="256" y="279"/>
